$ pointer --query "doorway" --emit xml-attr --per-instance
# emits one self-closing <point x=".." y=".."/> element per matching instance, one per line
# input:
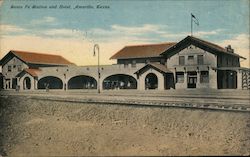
<point x="192" y="79"/>
<point x="151" y="81"/>
<point x="26" y="83"/>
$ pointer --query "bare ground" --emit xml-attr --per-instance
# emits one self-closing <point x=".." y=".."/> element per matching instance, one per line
<point x="30" y="127"/>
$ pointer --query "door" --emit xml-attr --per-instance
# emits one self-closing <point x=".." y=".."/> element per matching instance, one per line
<point x="192" y="79"/>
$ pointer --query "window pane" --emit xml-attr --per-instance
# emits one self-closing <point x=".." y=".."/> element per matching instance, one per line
<point x="134" y="63"/>
<point x="200" y="59"/>
<point x="9" y="68"/>
<point x="19" y="68"/>
<point x="180" y="77"/>
<point x="181" y="60"/>
<point x="190" y="57"/>
<point x="204" y="77"/>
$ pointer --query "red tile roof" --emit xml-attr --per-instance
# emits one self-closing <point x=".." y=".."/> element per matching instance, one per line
<point x="41" y="58"/>
<point x="157" y="66"/>
<point x="142" y="51"/>
<point x="32" y="72"/>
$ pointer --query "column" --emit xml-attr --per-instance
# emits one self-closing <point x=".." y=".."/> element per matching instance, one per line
<point x="198" y="83"/>
<point x="239" y="79"/>
<point x="185" y="80"/>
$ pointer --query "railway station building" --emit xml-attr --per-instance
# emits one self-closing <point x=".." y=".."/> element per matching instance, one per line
<point x="190" y="63"/>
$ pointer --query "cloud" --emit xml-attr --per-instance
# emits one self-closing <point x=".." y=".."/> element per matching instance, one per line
<point x="208" y="33"/>
<point x="147" y="28"/>
<point x="240" y="44"/>
<point x="75" y="50"/>
<point x="58" y="32"/>
<point x="10" y="28"/>
<point x="44" y="20"/>
<point x="77" y="45"/>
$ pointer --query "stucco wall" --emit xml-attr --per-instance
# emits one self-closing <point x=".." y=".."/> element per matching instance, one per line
<point x="209" y="61"/>
<point x="66" y="73"/>
<point x="159" y="75"/>
<point x="14" y="63"/>
<point x="209" y="58"/>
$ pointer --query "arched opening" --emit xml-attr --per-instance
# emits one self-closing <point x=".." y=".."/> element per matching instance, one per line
<point x="26" y="83"/>
<point x="82" y="82"/>
<point x="119" y="81"/>
<point x="51" y="82"/>
<point x="151" y="81"/>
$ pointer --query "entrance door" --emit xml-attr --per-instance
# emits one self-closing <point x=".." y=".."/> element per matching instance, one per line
<point x="151" y="81"/>
<point x="192" y="79"/>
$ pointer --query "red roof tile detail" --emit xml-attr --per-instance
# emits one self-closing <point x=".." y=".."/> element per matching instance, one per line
<point x="142" y="51"/>
<point x="38" y="58"/>
<point x="32" y="72"/>
<point x="159" y="67"/>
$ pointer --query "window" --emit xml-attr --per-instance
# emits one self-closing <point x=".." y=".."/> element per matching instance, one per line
<point x="204" y="77"/>
<point x="19" y="68"/>
<point x="125" y="64"/>
<point x="134" y="63"/>
<point x="179" y="77"/>
<point x="14" y="66"/>
<point x="190" y="58"/>
<point x="9" y="68"/>
<point x="200" y="59"/>
<point x="181" y="60"/>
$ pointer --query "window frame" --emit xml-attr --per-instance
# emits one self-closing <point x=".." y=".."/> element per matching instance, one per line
<point x="19" y="68"/>
<point x="204" y="76"/>
<point x="181" y="58"/>
<point x="200" y="59"/>
<point x="179" y="77"/>
<point x="9" y="68"/>
<point x="133" y="65"/>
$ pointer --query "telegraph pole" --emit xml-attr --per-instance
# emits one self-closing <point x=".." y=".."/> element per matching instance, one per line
<point x="96" y="47"/>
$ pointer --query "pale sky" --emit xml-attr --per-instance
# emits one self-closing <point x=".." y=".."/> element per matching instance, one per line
<point x="72" y="32"/>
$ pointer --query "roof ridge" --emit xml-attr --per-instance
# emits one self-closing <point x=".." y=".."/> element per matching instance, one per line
<point x="208" y="42"/>
<point x="35" y="53"/>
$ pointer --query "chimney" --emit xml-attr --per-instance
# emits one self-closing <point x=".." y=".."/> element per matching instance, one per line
<point x="229" y="49"/>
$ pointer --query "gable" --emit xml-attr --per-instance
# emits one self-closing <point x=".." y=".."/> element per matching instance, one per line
<point x="202" y="44"/>
<point x="7" y="58"/>
<point x="31" y="72"/>
<point x="156" y="66"/>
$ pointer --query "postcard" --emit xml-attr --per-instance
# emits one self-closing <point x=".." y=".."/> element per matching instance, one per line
<point x="124" y="78"/>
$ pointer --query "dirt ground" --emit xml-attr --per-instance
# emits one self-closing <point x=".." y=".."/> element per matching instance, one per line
<point x="30" y="127"/>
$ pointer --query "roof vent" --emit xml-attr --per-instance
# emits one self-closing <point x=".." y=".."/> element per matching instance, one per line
<point x="229" y="49"/>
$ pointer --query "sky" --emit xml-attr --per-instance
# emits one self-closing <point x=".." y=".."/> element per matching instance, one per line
<point x="71" y="28"/>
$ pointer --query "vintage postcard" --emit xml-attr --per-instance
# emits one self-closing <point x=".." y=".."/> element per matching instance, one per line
<point x="124" y="78"/>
